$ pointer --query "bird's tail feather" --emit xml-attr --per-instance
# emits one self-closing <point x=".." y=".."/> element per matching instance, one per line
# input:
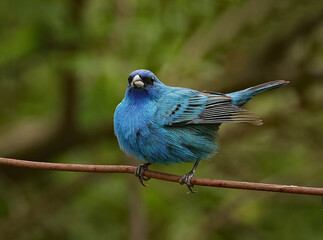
<point x="243" y="96"/>
<point x="266" y="86"/>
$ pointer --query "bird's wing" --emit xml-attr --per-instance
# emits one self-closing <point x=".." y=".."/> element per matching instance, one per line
<point x="187" y="106"/>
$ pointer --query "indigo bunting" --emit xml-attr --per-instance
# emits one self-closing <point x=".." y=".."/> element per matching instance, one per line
<point x="162" y="124"/>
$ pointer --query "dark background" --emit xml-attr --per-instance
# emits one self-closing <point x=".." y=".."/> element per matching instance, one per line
<point x="63" y="69"/>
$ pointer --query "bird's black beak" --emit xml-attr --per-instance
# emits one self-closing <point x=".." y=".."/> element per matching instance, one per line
<point x="137" y="82"/>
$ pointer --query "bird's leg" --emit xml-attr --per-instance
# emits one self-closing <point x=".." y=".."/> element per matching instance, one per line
<point x="187" y="178"/>
<point x="139" y="172"/>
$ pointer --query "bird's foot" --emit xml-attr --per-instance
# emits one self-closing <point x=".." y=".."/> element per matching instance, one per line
<point x="139" y="172"/>
<point x="186" y="179"/>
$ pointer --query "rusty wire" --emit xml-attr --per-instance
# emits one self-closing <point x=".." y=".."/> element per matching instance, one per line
<point x="162" y="176"/>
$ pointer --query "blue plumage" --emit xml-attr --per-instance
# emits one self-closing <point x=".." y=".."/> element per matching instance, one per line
<point x="162" y="124"/>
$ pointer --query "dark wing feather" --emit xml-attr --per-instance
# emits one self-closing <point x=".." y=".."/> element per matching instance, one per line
<point x="210" y="108"/>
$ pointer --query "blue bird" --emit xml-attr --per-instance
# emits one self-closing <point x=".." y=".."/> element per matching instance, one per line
<point x="162" y="124"/>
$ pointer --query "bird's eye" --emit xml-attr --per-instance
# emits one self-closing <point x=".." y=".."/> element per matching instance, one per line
<point x="129" y="79"/>
<point x="151" y="80"/>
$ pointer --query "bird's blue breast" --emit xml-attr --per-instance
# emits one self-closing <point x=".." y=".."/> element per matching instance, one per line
<point x="142" y="133"/>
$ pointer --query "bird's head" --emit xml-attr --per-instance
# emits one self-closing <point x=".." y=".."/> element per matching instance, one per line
<point x="142" y="79"/>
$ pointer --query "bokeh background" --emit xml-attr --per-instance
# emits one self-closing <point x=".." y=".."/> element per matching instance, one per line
<point x="63" y="69"/>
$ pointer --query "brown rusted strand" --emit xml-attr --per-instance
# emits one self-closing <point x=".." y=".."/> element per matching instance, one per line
<point x="162" y="176"/>
<point x="68" y="167"/>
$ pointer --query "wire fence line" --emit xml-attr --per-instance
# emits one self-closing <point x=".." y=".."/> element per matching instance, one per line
<point x="162" y="176"/>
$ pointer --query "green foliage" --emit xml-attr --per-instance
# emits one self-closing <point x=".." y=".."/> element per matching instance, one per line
<point x="64" y="68"/>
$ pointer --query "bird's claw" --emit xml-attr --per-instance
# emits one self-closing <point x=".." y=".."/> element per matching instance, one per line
<point x="186" y="179"/>
<point x="139" y="172"/>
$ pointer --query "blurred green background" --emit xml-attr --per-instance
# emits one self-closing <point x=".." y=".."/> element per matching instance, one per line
<point x="63" y="69"/>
